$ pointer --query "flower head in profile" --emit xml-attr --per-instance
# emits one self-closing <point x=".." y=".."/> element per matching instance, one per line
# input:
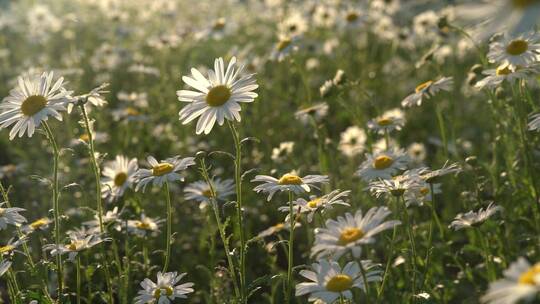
<point x="521" y="282"/>
<point x="383" y="165"/>
<point x="397" y="186"/>
<point x="495" y="77"/>
<point x="350" y="232"/>
<point x="146" y="225"/>
<point x="78" y="241"/>
<point x="288" y="182"/>
<point x="389" y="121"/>
<point x="39" y="224"/>
<point x="118" y="175"/>
<point x="33" y="100"/>
<point x="200" y="190"/>
<point x="162" y="172"/>
<point x="328" y="281"/>
<point x="427" y="90"/>
<point x="12" y="245"/>
<point x="10" y="216"/>
<point x="471" y="218"/>
<point x="165" y="290"/>
<point x="109" y="219"/>
<point x="317" y="203"/>
<point x="515" y="51"/>
<point x="218" y="97"/>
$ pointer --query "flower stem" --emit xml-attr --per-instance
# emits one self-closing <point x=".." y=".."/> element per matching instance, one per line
<point x="390" y="256"/>
<point x="222" y="232"/>
<point x="56" y="208"/>
<point x="364" y="278"/>
<point x="169" y="227"/>
<point x="290" y="256"/>
<point x="239" y="211"/>
<point x="78" y="279"/>
<point x="413" y="246"/>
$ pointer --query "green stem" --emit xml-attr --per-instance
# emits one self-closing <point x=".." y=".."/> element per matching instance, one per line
<point x="169" y="228"/>
<point x="78" y="279"/>
<point x="239" y="211"/>
<point x="389" y="258"/>
<point x="442" y="129"/>
<point x="490" y="272"/>
<point x="291" y="246"/>
<point x="366" y="285"/>
<point x="56" y="208"/>
<point x="413" y="247"/>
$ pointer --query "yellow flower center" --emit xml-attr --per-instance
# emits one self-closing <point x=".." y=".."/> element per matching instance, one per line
<point x="120" y="179"/>
<point x="33" y="104"/>
<point x="517" y="47"/>
<point x="279" y="226"/>
<point x="290" y="179"/>
<point x="84" y="137"/>
<point x="382" y="162"/>
<point x="39" y="223"/>
<point x="207" y="193"/>
<point x="529" y="276"/>
<point x="218" y="96"/>
<point x="6" y="249"/>
<point x="351" y="17"/>
<point x="384" y="121"/>
<point x="132" y="111"/>
<point x="167" y="289"/>
<point x="283" y="44"/>
<point x="75" y="245"/>
<point x="314" y="203"/>
<point x="2" y="211"/>
<point x="339" y="283"/>
<point x="349" y="235"/>
<point x="162" y="169"/>
<point x="423" y="86"/>
<point x="143" y="225"/>
<point x="522" y="4"/>
<point x="503" y="70"/>
<point x="219" y="24"/>
<point x="424" y="191"/>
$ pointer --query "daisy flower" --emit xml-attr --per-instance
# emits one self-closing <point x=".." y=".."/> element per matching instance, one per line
<point x="390" y="120"/>
<point x="328" y="281"/>
<point x="41" y="224"/>
<point x="284" y="47"/>
<point x="421" y="193"/>
<point x="31" y="102"/>
<point x="110" y="218"/>
<point x="515" y="52"/>
<point x="432" y="176"/>
<point x="165" y="290"/>
<point x="427" y="90"/>
<point x="397" y="186"/>
<point x="200" y="190"/>
<point x="294" y="25"/>
<point x="521" y="282"/>
<point x="217" y="98"/>
<point x="353" y="141"/>
<point x="118" y="175"/>
<point x="11" y="246"/>
<point x="417" y="152"/>
<point x="146" y="225"/>
<point x="287" y="182"/>
<point x="350" y="232"/>
<point x="10" y="216"/>
<point x="494" y="77"/>
<point x="383" y="164"/>
<point x="471" y="218"/>
<point x="281" y="153"/>
<point x="276" y="228"/>
<point x="315" y="204"/>
<point x="162" y="172"/>
<point x="78" y="241"/>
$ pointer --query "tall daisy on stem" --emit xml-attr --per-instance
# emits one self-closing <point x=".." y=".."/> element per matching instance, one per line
<point x="29" y="106"/>
<point x="290" y="183"/>
<point x="161" y="173"/>
<point x="217" y="98"/>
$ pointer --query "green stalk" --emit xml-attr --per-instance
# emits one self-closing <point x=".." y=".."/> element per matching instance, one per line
<point x="78" y="279"/>
<point x="389" y="259"/>
<point x="169" y="227"/>
<point x="290" y="254"/>
<point x="56" y="208"/>
<point x="240" y="221"/>
<point x="413" y="246"/>
<point x="442" y="129"/>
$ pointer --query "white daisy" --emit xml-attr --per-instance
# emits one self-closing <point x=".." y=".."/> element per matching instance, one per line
<point x="515" y="52"/>
<point x="10" y="247"/>
<point x="200" y="190"/>
<point x="146" y="225"/>
<point x="118" y="175"/>
<point x="417" y="152"/>
<point x="109" y="219"/>
<point x="31" y="102"/>
<point x="389" y="121"/>
<point x="521" y="282"/>
<point x="397" y="186"/>
<point x="277" y="228"/>
<point x="293" y="25"/>
<point x="284" y="47"/>
<point x="383" y="164"/>
<point x="78" y="241"/>
<point x="494" y="77"/>
<point x="10" y="216"/>
<point x="328" y="281"/>
<point x="162" y="172"/>
<point x="471" y="218"/>
<point x="349" y="233"/>
<point x="315" y="204"/>
<point x="287" y="182"/>
<point x="217" y="98"/>
<point x="427" y="90"/>
<point x="164" y="291"/>
<point x="281" y="153"/>
<point x="41" y="224"/>
<point x="353" y="141"/>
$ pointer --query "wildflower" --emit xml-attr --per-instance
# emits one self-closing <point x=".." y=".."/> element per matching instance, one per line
<point x="349" y="233"/>
<point x="10" y="216"/>
<point x="417" y="152"/>
<point x="165" y="290"/>
<point x="383" y="164"/>
<point x="276" y="228"/>
<point x="41" y="223"/>
<point x="353" y="141"/>
<point x="390" y="120"/>
<point x="109" y="219"/>
<point x="144" y="226"/>
<point x="285" y="46"/>
<point x="288" y="182"/>
<point x="200" y="190"/>
<point x="521" y="282"/>
<point x="118" y="175"/>
<point x="217" y="98"/>
<point x="328" y="281"/>
<point x="293" y="25"/>
<point x="315" y="204"/>
<point x="471" y="218"/>
<point x="31" y="102"/>
<point x="494" y="77"/>
<point x="78" y="241"/>
<point x="514" y="52"/>
<point x="281" y="152"/>
<point x="397" y="186"/>
<point x="317" y="111"/>
<point x="162" y="172"/>
<point x="427" y="90"/>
